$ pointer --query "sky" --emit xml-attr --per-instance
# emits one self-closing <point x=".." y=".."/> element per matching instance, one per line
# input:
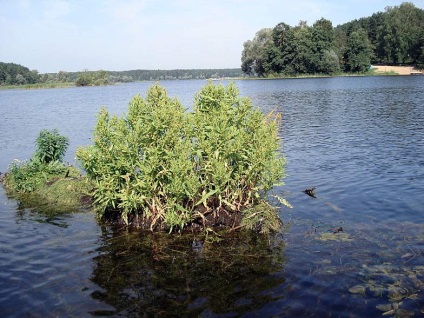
<point x="116" y="35"/>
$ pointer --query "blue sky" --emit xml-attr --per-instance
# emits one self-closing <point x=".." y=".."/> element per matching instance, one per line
<point x="73" y="35"/>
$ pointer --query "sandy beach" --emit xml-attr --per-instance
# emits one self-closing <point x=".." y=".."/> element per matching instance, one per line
<point x="401" y="70"/>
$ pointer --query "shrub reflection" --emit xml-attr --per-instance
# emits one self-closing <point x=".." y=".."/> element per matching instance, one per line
<point x="144" y="274"/>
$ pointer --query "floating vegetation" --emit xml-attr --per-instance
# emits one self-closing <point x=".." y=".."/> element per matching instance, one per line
<point x="401" y="286"/>
<point x="358" y="289"/>
<point x="394" y="310"/>
<point x="339" y="236"/>
<point x="374" y="268"/>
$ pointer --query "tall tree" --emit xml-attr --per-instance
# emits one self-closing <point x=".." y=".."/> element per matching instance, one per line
<point x="358" y="52"/>
<point x="397" y="33"/>
<point x="323" y="58"/>
<point x="298" y="51"/>
<point x="254" y="54"/>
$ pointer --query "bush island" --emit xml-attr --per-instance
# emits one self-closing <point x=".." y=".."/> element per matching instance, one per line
<point x="26" y="176"/>
<point x="160" y="167"/>
<point x="45" y="181"/>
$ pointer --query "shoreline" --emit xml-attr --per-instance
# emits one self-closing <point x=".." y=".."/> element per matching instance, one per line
<point x="375" y="71"/>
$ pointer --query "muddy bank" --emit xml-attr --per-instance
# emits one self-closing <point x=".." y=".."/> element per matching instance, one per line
<point x="259" y="219"/>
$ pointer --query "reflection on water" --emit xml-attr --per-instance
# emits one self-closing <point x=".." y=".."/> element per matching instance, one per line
<point x="324" y="267"/>
<point x="143" y="274"/>
<point x="45" y="262"/>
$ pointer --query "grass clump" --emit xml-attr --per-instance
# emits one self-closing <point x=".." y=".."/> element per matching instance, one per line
<point x="160" y="167"/>
<point x="66" y="192"/>
<point x="27" y="176"/>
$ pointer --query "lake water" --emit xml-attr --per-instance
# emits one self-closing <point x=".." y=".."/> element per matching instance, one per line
<point x="358" y="140"/>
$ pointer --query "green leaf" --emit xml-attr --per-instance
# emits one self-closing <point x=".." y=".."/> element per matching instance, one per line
<point x="205" y="196"/>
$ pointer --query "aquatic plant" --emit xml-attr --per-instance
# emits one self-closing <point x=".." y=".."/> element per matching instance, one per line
<point x="48" y="189"/>
<point x="26" y="176"/>
<point x="160" y="167"/>
<point x="44" y="181"/>
<point x="50" y="146"/>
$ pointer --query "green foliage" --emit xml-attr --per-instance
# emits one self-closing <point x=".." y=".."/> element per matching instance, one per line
<point x="106" y="77"/>
<point x="155" y="75"/>
<point x="292" y="50"/>
<point x="92" y="78"/>
<point x="50" y="146"/>
<point x="395" y="36"/>
<point x="255" y="53"/>
<point x="85" y="79"/>
<point x="15" y="74"/>
<point x="170" y="168"/>
<point x="399" y="32"/>
<point x="44" y="181"/>
<point x="358" y="52"/>
<point x="38" y="86"/>
<point x="27" y="176"/>
<point x="51" y="188"/>
<point x="63" y="191"/>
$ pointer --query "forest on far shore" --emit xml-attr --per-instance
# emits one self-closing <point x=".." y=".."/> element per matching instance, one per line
<point x="15" y="74"/>
<point x="392" y="37"/>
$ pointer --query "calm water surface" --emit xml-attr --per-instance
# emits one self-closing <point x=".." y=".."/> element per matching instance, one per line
<point x="359" y="141"/>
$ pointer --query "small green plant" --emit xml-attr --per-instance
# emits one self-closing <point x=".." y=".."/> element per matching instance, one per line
<point x="50" y="146"/>
<point x="26" y="176"/>
<point x="170" y="169"/>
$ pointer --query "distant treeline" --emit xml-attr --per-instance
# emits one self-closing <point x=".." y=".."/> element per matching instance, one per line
<point x="393" y="37"/>
<point x="14" y="74"/>
<point x="154" y="75"/>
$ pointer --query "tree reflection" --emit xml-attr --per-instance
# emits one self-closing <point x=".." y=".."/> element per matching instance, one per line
<point x="142" y="274"/>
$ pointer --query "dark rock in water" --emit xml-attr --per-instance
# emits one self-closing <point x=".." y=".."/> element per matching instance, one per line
<point x="337" y="230"/>
<point x="310" y="192"/>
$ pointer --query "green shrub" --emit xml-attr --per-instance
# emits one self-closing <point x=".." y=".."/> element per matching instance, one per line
<point x="26" y="176"/>
<point x="50" y="146"/>
<point x="85" y="79"/>
<point x="169" y="168"/>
